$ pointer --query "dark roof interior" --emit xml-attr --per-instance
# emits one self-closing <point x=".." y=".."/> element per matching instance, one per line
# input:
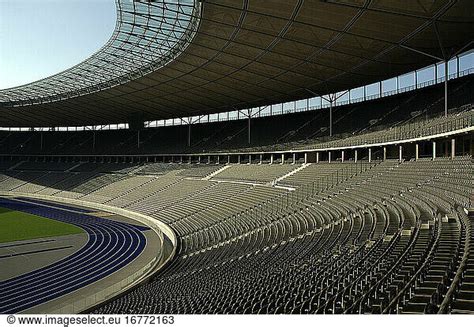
<point x="250" y="53"/>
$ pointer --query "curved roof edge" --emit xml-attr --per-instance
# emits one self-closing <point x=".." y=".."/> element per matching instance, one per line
<point x="147" y="36"/>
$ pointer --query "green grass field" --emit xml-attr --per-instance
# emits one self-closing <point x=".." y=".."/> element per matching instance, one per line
<point x="18" y="226"/>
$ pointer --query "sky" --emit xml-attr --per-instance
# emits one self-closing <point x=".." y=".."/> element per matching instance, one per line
<point x="39" y="38"/>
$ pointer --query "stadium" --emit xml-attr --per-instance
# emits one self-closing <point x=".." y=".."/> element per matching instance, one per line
<point x="247" y="157"/>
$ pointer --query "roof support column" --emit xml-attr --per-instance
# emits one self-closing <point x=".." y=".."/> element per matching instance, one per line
<point x="317" y="157"/>
<point x="282" y="158"/>
<point x="189" y="134"/>
<point x="355" y="156"/>
<point x="331" y="98"/>
<point x="342" y="156"/>
<point x="446" y="88"/>
<point x="249" y="127"/>
<point x="457" y="66"/>
<point x="417" y="151"/>
<point x="400" y="153"/>
<point x="434" y="151"/>
<point x="370" y="155"/>
<point x="384" y="153"/>
<point x="329" y="156"/>
<point x="306" y="158"/>
<point x="445" y="59"/>
<point x="271" y="159"/>
<point x="294" y="158"/>
<point x="93" y="140"/>
<point x="261" y="159"/>
<point x="453" y="148"/>
<point x="330" y="117"/>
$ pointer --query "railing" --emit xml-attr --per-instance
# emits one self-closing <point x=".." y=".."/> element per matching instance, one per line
<point x="412" y="283"/>
<point x="448" y="298"/>
<point x="283" y="202"/>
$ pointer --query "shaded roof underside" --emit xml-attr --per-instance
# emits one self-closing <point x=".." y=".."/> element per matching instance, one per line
<point x="250" y="53"/>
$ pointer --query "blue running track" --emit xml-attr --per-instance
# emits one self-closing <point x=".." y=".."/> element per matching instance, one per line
<point x="111" y="246"/>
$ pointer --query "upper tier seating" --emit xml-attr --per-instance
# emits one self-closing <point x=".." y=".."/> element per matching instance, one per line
<point x="404" y="115"/>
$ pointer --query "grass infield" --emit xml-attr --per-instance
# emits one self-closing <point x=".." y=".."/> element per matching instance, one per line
<point x="18" y="226"/>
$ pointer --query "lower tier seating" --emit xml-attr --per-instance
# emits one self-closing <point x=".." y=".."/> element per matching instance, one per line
<point x="386" y="237"/>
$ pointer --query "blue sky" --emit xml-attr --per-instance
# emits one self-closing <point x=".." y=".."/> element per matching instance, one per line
<point x="39" y="38"/>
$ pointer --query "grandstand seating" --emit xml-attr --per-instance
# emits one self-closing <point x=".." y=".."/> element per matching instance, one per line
<point x="387" y="239"/>
<point x="191" y="170"/>
<point x="379" y="237"/>
<point x="254" y="173"/>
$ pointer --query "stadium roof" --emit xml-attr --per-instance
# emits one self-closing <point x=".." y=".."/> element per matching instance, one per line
<point x="180" y="58"/>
